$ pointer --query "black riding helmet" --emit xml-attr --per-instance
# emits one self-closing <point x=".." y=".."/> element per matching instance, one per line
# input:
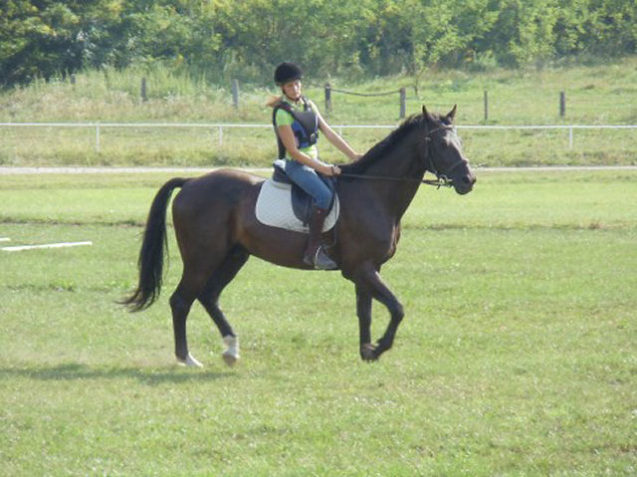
<point x="286" y="72"/>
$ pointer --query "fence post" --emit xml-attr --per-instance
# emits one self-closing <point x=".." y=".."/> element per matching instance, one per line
<point x="403" y="107"/>
<point x="235" y="93"/>
<point x="562" y="104"/>
<point x="486" y="106"/>
<point x="97" y="137"/>
<point x="143" y="89"/>
<point x="328" y="97"/>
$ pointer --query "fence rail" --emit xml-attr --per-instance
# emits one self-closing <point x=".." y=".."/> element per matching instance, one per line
<point x="98" y="126"/>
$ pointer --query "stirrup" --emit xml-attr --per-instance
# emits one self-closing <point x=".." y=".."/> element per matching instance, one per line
<point x="322" y="262"/>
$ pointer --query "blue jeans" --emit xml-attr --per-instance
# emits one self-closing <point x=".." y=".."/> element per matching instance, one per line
<point x="310" y="181"/>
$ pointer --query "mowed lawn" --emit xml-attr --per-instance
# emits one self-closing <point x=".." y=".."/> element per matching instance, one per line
<point x="517" y="355"/>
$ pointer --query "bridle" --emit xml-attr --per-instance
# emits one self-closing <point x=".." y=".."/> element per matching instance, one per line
<point x="441" y="180"/>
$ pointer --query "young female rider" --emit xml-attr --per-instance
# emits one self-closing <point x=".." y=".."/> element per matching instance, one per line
<point x="297" y="121"/>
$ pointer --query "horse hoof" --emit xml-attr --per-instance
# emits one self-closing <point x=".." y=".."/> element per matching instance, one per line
<point x="231" y="354"/>
<point x="190" y="362"/>
<point x="368" y="352"/>
<point x="230" y="359"/>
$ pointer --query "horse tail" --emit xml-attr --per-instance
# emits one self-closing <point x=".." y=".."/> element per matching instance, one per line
<point x="154" y="246"/>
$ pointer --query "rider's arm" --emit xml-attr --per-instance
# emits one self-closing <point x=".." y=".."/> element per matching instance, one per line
<point x="336" y="140"/>
<point x="289" y="141"/>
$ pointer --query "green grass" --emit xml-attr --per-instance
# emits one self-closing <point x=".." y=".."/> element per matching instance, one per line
<point x="600" y="94"/>
<point x="516" y="356"/>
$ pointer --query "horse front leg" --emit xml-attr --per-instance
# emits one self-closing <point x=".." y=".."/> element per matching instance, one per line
<point x="370" y="284"/>
<point x="364" y="313"/>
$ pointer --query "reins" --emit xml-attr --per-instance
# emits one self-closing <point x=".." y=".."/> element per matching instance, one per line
<point x="441" y="181"/>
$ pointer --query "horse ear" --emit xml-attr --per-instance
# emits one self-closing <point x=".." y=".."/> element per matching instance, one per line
<point x="425" y="113"/>
<point x="452" y="113"/>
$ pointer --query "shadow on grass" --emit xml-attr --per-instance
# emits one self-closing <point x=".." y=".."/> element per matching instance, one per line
<point x="149" y="376"/>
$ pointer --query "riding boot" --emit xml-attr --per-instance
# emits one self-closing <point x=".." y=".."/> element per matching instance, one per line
<point x="314" y="254"/>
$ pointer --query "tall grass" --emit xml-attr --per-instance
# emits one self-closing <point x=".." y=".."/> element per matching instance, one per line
<point x="599" y="94"/>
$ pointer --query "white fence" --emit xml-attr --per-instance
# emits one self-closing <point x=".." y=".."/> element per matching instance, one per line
<point x="98" y="126"/>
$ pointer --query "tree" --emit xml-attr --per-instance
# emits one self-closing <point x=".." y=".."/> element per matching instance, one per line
<point x="245" y="38"/>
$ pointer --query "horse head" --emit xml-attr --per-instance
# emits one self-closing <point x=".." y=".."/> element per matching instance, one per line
<point x="444" y="154"/>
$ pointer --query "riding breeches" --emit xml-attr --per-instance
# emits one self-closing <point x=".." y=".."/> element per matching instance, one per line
<point x="310" y="181"/>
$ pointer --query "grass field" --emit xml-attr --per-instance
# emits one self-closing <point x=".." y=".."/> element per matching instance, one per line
<point x="604" y="93"/>
<point x="517" y="355"/>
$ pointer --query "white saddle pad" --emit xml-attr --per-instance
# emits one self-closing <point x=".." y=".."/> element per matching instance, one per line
<point x="274" y="208"/>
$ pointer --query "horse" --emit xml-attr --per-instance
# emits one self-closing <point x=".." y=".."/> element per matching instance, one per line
<point x="217" y="230"/>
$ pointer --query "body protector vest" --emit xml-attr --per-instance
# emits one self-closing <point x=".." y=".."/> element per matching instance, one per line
<point x="305" y="125"/>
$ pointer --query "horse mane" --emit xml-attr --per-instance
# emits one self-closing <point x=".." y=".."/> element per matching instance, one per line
<point x="383" y="147"/>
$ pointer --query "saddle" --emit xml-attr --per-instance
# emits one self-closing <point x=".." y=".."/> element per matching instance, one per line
<point x="301" y="200"/>
<point x="283" y="204"/>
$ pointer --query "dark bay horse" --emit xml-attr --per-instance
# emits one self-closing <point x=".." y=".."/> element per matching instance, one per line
<point x="217" y="230"/>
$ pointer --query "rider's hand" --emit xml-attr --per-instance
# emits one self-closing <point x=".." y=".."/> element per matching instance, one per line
<point x="331" y="171"/>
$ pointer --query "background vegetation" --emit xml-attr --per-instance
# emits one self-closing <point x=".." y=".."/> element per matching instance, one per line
<point x="516" y="357"/>
<point x="219" y="40"/>
<point x="64" y="61"/>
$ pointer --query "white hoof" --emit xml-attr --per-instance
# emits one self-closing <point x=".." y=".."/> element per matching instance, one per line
<point x="231" y="353"/>
<point x="190" y="362"/>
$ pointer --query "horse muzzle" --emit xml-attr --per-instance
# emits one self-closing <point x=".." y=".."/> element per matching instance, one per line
<point x="463" y="179"/>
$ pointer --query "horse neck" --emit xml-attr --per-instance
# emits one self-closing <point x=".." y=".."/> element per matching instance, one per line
<point x="402" y="162"/>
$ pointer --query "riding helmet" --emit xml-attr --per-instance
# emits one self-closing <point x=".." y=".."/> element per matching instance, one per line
<point x="286" y="72"/>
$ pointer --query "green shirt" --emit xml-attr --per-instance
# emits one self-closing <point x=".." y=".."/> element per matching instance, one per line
<point x="283" y="118"/>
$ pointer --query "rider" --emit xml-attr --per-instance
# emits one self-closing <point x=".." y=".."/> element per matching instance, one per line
<point x="297" y="121"/>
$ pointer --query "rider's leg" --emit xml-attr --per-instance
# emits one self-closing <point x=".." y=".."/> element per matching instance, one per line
<point x="308" y="179"/>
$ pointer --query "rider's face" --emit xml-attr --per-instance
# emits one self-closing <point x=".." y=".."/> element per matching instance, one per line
<point x="292" y="89"/>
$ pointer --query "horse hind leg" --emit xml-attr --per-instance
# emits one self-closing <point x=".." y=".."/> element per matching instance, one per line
<point x="193" y="282"/>
<point x="209" y="298"/>
<point x="180" y="303"/>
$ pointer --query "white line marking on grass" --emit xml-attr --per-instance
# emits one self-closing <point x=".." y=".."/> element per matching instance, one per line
<point x="19" y="248"/>
<point x="4" y="239"/>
